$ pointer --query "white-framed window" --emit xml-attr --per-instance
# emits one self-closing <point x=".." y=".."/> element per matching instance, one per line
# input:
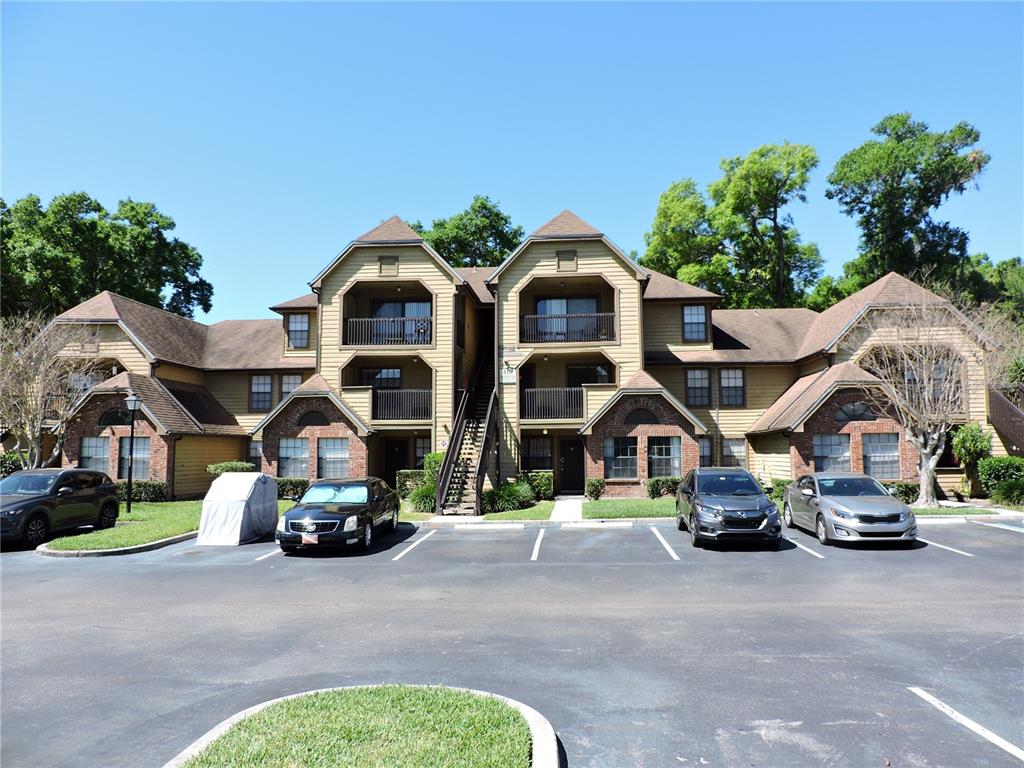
<point x="695" y="323"/>
<point x="664" y="457"/>
<point x="734" y="452"/>
<point x="882" y="455"/>
<point x="704" y="447"/>
<point x="94" y="453"/>
<point x="620" y="458"/>
<point x="293" y="457"/>
<point x="260" y="392"/>
<point x="332" y="457"/>
<point x="289" y="382"/>
<point x="698" y="386"/>
<point x="140" y="458"/>
<point x="298" y="331"/>
<point x="731" y="386"/>
<point x="831" y="453"/>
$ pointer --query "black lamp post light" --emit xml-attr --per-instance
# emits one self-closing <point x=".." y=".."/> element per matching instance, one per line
<point x="133" y="402"/>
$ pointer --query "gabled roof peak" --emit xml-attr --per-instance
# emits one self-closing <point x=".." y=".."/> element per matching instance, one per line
<point x="566" y="225"/>
<point x="393" y="230"/>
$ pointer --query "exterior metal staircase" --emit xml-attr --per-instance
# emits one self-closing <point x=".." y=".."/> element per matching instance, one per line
<point x="1006" y="413"/>
<point x="460" y="475"/>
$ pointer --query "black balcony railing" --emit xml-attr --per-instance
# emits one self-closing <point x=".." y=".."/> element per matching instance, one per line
<point x="580" y="326"/>
<point x="402" y="404"/>
<point x="388" y="331"/>
<point x="552" y="403"/>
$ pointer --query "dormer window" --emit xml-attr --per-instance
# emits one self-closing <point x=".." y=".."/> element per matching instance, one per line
<point x="298" y="331"/>
<point x="566" y="261"/>
<point x="695" y="323"/>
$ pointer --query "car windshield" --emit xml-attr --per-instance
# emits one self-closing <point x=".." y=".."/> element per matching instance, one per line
<point x="728" y="485"/>
<point x="26" y="485"/>
<point x="343" y="493"/>
<point x="850" y="486"/>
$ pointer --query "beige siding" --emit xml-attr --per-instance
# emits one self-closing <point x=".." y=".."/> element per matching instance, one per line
<point x="192" y="454"/>
<point x="313" y="336"/>
<point x="769" y="457"/>
<point x="232" y="391"/>
<point x="472" y="335"/>
<point x="663" y="328"/>
<point x="178" y="373"/>
<point x="112" y="343"/>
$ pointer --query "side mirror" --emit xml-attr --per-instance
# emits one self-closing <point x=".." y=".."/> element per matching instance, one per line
<point x="65" y="490"/>
<point x="809" y="493"/>
<point x="290" y="498"/>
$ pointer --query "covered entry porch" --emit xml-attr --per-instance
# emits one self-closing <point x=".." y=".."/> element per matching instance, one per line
<point x="390" y="451"/>
<point x="558" y="450"/>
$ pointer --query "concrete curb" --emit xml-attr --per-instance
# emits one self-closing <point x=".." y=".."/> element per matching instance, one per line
<point x="611" y="522"/>
<point x="44" y="549"/>
<point x="543" y="750"/>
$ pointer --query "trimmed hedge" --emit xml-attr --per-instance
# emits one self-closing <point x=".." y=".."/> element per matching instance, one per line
<point x="10" y="461"/>
<point x="542" y="481"/>
<point x="663" y="486"/>
<point x="423" y="499"/>
<point x="408" y="480"/>
<point x="431" y="466"/>
<point x="998" y="469"/>
<point x="291" y="486"/>
<point x="1009" y="492"/>
<point x="229" y="466"/>
<point x="905" y="491"/>
<point x="142" y="490"/>
<point x="507" y="497"/>
<point x="595" y="488"/>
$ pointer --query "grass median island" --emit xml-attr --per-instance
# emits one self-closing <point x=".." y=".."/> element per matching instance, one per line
<point x="614" y="508"/>
<point x="149" y="521"/>
<point x="539" y="511"/>
<point x="930" y="511"/>
<point x="395" y="726"/>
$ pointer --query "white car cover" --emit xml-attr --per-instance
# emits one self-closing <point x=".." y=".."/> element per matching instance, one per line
<point x="239" y="507"/>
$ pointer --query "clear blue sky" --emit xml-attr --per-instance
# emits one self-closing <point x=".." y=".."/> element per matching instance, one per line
<point x="275" y="133"/>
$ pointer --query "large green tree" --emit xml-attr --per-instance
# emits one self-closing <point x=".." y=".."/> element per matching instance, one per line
<point x="740" y="241"/>
<point x="480" y="236"/>
<point x="57" y="256"/>
<point x="892" y="185"/>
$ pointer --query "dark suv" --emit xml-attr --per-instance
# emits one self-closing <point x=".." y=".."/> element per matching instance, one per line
<point x="726" y="504"/>
<point x="35" y="502"/>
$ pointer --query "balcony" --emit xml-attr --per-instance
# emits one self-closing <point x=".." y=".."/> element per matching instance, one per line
<point x="388" y="331"/>
<point x="567" y="328"/>
<point x="402" y="404"/>
<point x="551" y="403"/>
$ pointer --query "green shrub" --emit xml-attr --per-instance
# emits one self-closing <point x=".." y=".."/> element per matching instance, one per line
<point x="142" y="490"/>
<point x="229" y="466"/>
<point x="291" y="487"/>
<point x="507" y="497"/>
<point x="431" y="466"/>
<point x="997" y="469"/>
<point x="542" y="481"/>
<point x="423" y="499"/>
<point x="905" y="492"/>
<point x="777" y="489"/>
<point x="1009" y="492"/>
<point x="971" y="444"/>
<point x="663" y="486"/>
<point x="10" y="461"/>
<point x="595" y="488"/>
<point x="408" y="480"/>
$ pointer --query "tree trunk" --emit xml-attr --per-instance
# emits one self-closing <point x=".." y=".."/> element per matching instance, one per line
<point x="929" y="447"/>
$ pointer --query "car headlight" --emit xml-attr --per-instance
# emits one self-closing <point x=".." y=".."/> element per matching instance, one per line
<point x="351" y="523"/>
<point x="281" y="523"/>
<point x="706" y="513"/>
<point x="843" y="513"/>
<point x="904" y="516"/>
<point x="771" y="509"/>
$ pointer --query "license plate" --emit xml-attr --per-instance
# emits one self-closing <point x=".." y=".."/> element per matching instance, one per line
<point x="310" y="538"/>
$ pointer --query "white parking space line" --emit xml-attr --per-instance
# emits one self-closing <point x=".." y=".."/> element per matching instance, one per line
<point x="965" y="721"/>
<point x="271" y="553"/>
<point x="671" y="552"/>
<point x="808" y="550"/>
<point x="1004" y="526"/>
<point x="536" y="544"/>
<point x="943" y="546"/>
<point x="415" y="544"/>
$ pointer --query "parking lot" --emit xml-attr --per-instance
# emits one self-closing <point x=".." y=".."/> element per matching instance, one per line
<point x="641" y="650"/>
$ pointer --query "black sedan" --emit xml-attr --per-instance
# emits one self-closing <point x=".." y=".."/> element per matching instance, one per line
<point x="339" y="513"/>
<point x="35" y="502"/>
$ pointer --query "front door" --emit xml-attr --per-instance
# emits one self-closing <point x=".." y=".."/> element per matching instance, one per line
<point x="570" y="465"/>
<point x="396" y="457"/>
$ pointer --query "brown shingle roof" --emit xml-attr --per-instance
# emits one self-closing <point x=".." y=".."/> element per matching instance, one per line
<point x="474" y="277"/>
<point x="306" y="301"/>
<point x="170" y="416"/>
<point x="806" y="395"/>
<point x="566" y="225"/>
<point x="249" y="345"/>
<point x="662" y="287"/>
<point x="204" y="408"/>
<point x="393" y="230"/>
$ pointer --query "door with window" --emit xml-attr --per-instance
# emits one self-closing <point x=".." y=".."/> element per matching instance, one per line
<point x="570" y="465"/>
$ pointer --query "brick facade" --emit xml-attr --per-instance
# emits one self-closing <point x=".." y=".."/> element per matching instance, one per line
<point x="86" y="424"/>
<point x="670" y="423"/>
<point x="286" y="424"/>
<point x="823" y="422"/>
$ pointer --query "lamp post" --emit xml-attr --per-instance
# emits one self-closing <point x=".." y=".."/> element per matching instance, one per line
<point x="133" y="402"/>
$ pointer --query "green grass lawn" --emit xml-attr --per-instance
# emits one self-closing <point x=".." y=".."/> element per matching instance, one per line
<point x="611" y="508"/>
<point x="407" y="515"/>
<point x="539" y="511"/>
<point x="930" y="511"/>
<point x="395" y="726"/>
<point x="149" y="521"/>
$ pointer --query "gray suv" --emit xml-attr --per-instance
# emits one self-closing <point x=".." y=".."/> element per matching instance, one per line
<point x="726" y="504"/>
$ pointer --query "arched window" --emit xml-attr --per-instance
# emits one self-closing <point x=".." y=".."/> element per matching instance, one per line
<point x="313" y="419"/>
<point x="641" y="416"/>
<point x="114" y="417"/>
<point x="857" y="411"/>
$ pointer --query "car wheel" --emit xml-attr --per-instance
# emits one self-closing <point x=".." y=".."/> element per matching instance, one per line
<point x="393" y="522"/>
<point x="367" y="539"/>
<point x="787" y="515"/>
<point x="694" y="541"/>
<point x="289" y="548"/>
<point x="36" y="530"/>
<point x="108" y="516"/>
<point x="821" y="530"/>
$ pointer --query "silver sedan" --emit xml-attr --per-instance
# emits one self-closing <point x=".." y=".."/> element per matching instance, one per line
<point x="841" y="506"/>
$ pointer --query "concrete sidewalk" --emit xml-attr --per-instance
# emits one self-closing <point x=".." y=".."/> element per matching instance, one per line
<point x="568" y="509"/>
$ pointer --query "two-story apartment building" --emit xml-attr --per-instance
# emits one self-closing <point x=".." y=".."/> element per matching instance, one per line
<point x="568" y="356"/>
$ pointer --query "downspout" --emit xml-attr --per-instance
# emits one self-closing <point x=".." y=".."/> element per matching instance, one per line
<point x="497" y="386"/>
